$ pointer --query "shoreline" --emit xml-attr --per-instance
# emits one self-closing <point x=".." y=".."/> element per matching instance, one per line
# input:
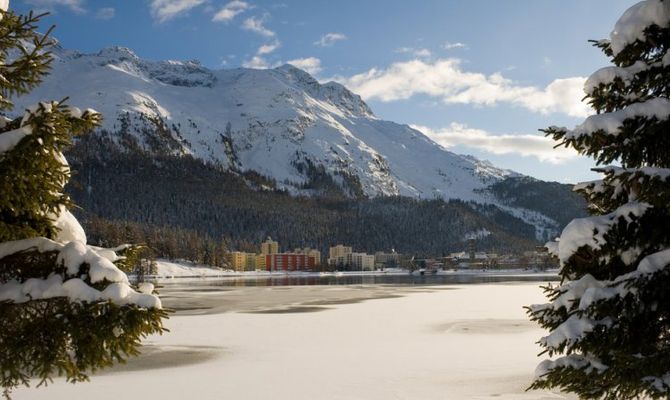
<point x="183" y="271"/>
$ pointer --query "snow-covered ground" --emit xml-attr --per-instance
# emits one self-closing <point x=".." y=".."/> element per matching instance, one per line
<point x="438" y="342"/>
<point x="169" y="269"/>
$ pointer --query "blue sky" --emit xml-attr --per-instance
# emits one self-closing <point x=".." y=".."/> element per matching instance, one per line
<point x="480" y="77"/>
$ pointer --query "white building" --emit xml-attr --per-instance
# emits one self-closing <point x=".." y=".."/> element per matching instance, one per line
<point x="464" y="256"/>
<point x="362" y="261"/>
<point x="338" y="251"/>
<point x="342" y="256"/>
<point x="355" y="261"/>
<point x="269" y="247"/>
<point x="390" y="260"/>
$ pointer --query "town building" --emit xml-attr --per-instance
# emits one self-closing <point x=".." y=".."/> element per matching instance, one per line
<point x="472" y="249"/>
<point x="289" y="262"/>
<point x="387" y="260"/>
<point x="470" y="256"/>
<point x="312" y="253"/>
<point x="260" y="262"/>
<point x="354" y="261"/>
<point x="269" y="246"/>
<point x="250" y="262"/>
<point x="338" y="251"/>
<point x="362" y="261"/>
<point x="241" y="261"/>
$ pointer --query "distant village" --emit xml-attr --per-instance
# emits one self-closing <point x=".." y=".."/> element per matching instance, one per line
<point x="343" y="258"/>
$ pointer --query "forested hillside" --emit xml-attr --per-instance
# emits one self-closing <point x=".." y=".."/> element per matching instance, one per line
<point x="185" y="208"/>
<point x="548" y="198"/>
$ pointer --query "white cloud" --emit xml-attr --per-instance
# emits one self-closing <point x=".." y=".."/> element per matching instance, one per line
<point x="419" y="53"/>
<point x="422" y="53"/>
<point x="105" y="13"/>
<point x="254" y="24"/>
<point x="445" y="79"/>
<point x="268" y="48"/>
<point x="310" y="64"/>
<point x="329" y="39"/>
<point x="256" y="62"/>
<point x="457" y="45"/>
<point x="164" y="10"/>
<point x="230" y="11"/>
<point x="526" y="145"/>
<point x="76" y="6"/>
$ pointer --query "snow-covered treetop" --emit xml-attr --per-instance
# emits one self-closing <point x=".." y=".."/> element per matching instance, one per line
<point x="611" y="123"/>
<point x="592" y="231"/>
<point x="631" y="98"/>
<point x="608" y="75"/>
<point x="66" y="308"/>
<point x="615" y="264"/>
<point x="40" y="130"/>
<point x="632" y="24"/>
<point x="73" y="256"/>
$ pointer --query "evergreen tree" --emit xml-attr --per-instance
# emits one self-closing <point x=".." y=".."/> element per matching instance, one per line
<point x="66" y="309"/>
<point x="609" y="320"/>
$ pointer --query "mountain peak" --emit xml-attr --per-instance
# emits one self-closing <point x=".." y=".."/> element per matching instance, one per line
<point x="282" y="123"/>
<point x="331" y="91"/>
<point x="118" y="52"/>
<point x="294" y="71"/>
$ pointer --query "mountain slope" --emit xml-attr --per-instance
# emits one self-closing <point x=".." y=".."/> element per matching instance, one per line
<point x="280" y="123"/>
<point x="261" y="120"/>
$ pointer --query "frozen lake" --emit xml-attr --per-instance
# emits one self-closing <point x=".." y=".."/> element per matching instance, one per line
<point x="292" y="338"/>
<point x="367" y="278"/>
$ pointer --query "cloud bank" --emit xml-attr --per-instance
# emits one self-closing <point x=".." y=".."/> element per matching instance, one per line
<point x="76" y="6"/>
<point x="329" y="39"/>
<point x="256" y="25"/>
<point x="230" y="11"/>
<point x="445" y="79"/>
<point x="165" y="10"/>
<point x="525" y="145"/>
<point x="310" y="64"/>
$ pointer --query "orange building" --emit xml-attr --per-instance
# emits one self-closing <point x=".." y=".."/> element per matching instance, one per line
<point x="289" y="262"/>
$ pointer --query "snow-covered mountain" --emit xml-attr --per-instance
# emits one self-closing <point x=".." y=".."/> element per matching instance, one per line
<point x="276" y="122"/>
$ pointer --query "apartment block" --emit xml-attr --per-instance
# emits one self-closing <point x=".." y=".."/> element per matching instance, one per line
<point x="312" y="253"/>
<point x="269" y="246"/>
<point x="289" y="262"/>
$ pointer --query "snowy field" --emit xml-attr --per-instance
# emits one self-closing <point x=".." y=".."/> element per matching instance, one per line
<point x="331" y="342"/>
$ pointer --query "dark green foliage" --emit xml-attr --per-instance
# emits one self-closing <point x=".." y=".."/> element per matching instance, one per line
<point x="57" y="337"/>
<point x="28" y="205"/>
<point x="42" y="338"/>
<point x="24" y="71"/>
<point x="627" y="308"/>
<point x="170" y="202"/>
<point x="318" y="179"/>
<point x="549" y="198"/>
<point x="138" y="260"/>
<point x="170" y="242"/>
